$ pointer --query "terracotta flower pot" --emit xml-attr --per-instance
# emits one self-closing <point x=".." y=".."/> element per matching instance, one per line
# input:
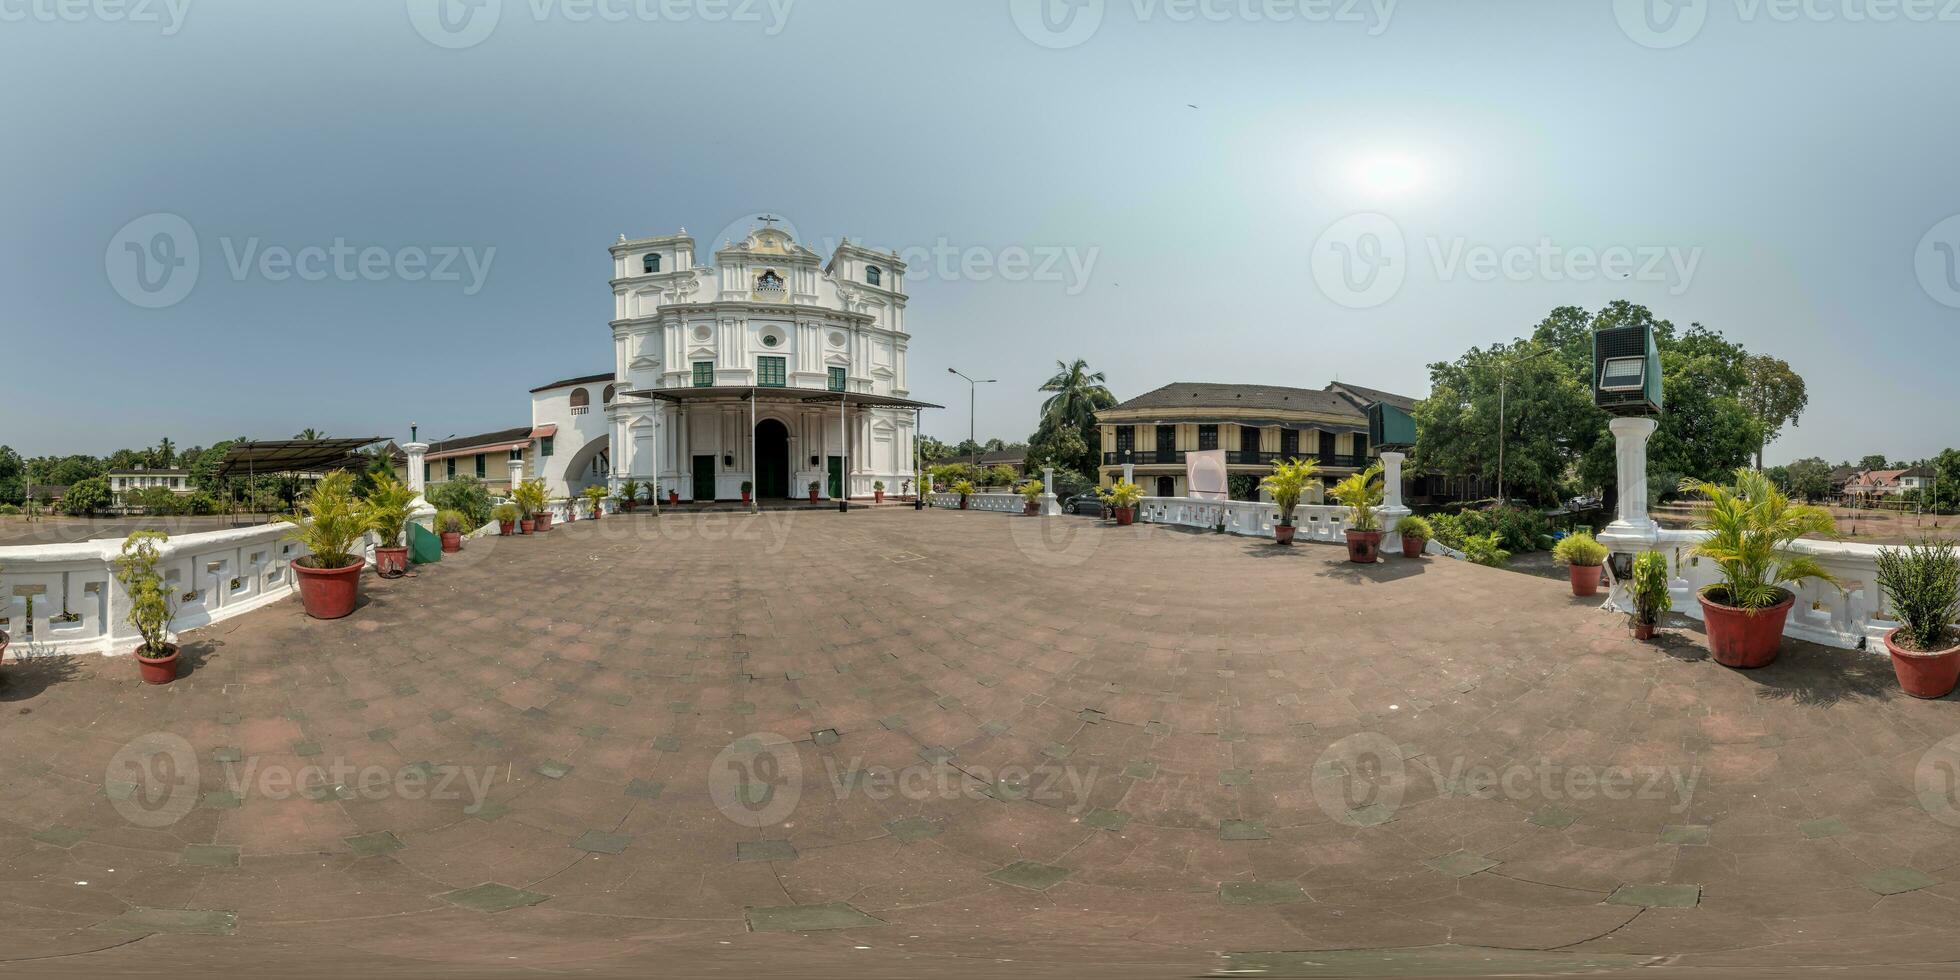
<point x="1745" y="638"/>
<point x="1924" y="675"/>
<point x="157" y="670"/>
<point x="1126" y="516"/>
<point x="527" y="525"/>
<point x="1643" y="631"/>
<point x="391" y="562"/>
<point x="1283" y="533"/>
<point x="1412" y="547"/>
<point x="1364" y="546"/>
<point x="329" y="593"/>
<point x="1030" y="508"/>
<point x="745" y="496"/>
<point x="1585" y="580"/>
<point x="505" y="528"/>
<point x="542" y="520"/>
<point x="877" y="496"/>
<point x="674" y="497"/>
<point x="813" y="496"/>
<point x="452" y="542"/>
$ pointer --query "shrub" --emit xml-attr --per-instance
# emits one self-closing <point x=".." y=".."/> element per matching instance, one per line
<point x="9" y="510"/>
<point x="1484" y="549"/>
<point x="1415" y="527"/>
<point x="152" y="602"/>
<point x="506" y="513"/>
<point x="1579" y="548"/>
<point x="1449" y="530"/>
<point x="332" y="522"/>
<point x="451" y="522"/>
<point x="1031" y="491"/>
<point x="1244" y="486"/>
<point x="530" y="497"/>
<point x="595" y="497"/>
<point x="1751" y="526"/>
<point x="1922" y="582"/>
<point x="1288" y="483"/>
<point x="86" y="496"/>
<point x="387" y="509"/>
<point x="962" y="487"/>
<point x="1362" y="493"/>
<point x="629" y="490"/>
<point x="1649" y="587"/>
<point x="466" y="494"/>
<point x="1124" y="494"/>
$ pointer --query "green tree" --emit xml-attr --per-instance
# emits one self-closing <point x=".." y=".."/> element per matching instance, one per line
<point x="88" y="495"/>
<point x="1076" y="394"/>
<point x="164" y="454"/>
<point x="1808" y="478"/>
<point x="309" y="434"/>
<point x="13" y="477"/>
<point x="1774" y="396"/>
<point x="1874" y="461"/>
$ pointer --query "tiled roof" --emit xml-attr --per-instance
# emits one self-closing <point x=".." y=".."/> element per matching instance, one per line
<point x="1339" y="399"/>
<point x="568" y="382"/>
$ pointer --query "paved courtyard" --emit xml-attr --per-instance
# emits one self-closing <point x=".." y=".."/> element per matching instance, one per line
<point x="891" y="743"/>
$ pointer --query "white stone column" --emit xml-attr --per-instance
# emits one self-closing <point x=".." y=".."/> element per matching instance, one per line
<point x="1632" y="530"/>
<point x="420" y="511"/>
<point x="1392" y="509"/>
<point x="1130" y="472"/>
<point x="516" y="472"/>
<point x="1049" y="505"/>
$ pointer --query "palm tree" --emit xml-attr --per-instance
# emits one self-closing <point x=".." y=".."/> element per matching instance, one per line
<point x="310" y="434"/>
<point x="1078" y="393"/>
<point x="165" y="452"/>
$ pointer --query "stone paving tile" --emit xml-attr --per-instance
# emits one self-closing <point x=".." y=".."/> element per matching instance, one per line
<point x="62" y="836"/>
<point x="1824" y="827"/>
<point x="370" y="845"/>
<point x="1461" y="864"/>
<point x="809" y="918"/>
<point x="1896" y="881"/>
<point x="1243" y="830"/>
<point x="209" y="856"/>
<point x="765" y="850"/>
<point x="1261" y="893"/>
<point x="597" y="842"/>
<point x="1657" y="896"/>
<point x="188" y="922"/>
<point x="1031" y="875"/>
<point x="493" y="897"/>
<point x="912" y="829"/>
<point x="1688" y="834"/>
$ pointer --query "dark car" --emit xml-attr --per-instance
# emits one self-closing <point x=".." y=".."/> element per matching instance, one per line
<point x="1083" y="503"/>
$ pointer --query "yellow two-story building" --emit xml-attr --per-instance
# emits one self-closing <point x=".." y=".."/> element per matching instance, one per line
<point x="1255" y="425"/>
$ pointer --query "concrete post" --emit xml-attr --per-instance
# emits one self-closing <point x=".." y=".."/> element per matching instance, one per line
<point x="1632" y="530"/>
<point x="421" y="511"/>
<point x="1392" y="510"/>
<point x="1130" y="472"/>
<point x="1049" y="505"/>
<point x="516" y="472"/>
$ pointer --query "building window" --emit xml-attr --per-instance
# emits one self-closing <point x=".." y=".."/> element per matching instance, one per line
<point x="517" y="455"/>
<point x="1207" y="437"/>
<point x="874" y="275"/>
<point x="771" y="372"/>
<point x="482" y="467"/>
<point x="425" y="472"/>
<point x="1126" y="442"/>
<point x="704" y="374"/>
<point x="1361" y="444"/>
<point x="611" y="390"/>
<point x="449" y="468"/>
<point x="836" y="379"/>
<point x="581" y="401"/>
<point x="651" y="263"/>
<point x="1289" y="443"/>
<point x="544" y="447"/>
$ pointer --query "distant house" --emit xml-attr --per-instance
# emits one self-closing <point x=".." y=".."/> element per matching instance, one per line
<point x="123" y="483"/>
<point x="486" y="457"/>
<point x="1918" y="478"/>
<point x="1873" y="484"/>
<point x="46" y="494"/>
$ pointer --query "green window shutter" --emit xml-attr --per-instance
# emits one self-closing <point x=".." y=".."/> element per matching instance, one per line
<point x="837" y="379"/>
<point x="482" y="467"/>
<point x="772" y="372"/>
<point x="544" y="446"/>
<point x="704" y="374"/>
<point x="449" y="468"/>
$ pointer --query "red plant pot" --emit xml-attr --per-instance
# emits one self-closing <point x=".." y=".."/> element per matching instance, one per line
<point x="1364" y="546"/>
<point x="1585" y="580"/>
<point x="877" y="496"/>
<point x="1745" y="638"/>
<point x="813" y="496"/>
<point x="1643" y="631"/>
<point x="1030" y="508"/>
<point x="391" y="562"/>
<point x="745" y="496"/>
<point x="526" y="526"/>
<point x="674" y="497"/>
<point x="1126" y="516"/>
<point x="452" y="542"/>
<point x="329" y="593"/>
<point x="542" y="520"/>
<point x="1283" y="533"/>
<point x="1412" y="547"/>
<point x="1924" y="675"/>
<point x="505" y="528"/>
<point x="157" y="670"/>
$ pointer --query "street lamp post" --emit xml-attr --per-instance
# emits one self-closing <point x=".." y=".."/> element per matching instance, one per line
<point x="972" y="400"/>
<point x="1503" y="380"/>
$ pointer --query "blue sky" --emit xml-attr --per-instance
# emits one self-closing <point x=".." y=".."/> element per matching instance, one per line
<point x="1777" y="172"/>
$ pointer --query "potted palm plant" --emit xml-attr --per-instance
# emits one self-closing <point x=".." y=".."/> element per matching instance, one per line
<point x="595" y="497"/>
<point x="1362" y="493"/>
<point x="530" y="500"/>
<point x="451" y="524"/>
<point x="1583" y="557"/>
<point x="1415" y="532"/>
<point x="629" y="493"/>
<point x="1031" y="497"/>
<point x="331" y="525"/>
<point x="1124" y="497"/>
<point x="877" y="491"/>
<point x="1649" y="593"/>
<point x="152" y="603"/>
<point x="962" y="487"/>
<point x="1922" y="583"/>
<point x="387" y="510"/>
<point x="1288" y="483"/>
<point x="813" y="491"/>
<point x="506" y="516"/>
<point x="674" y="496"/>
<point x="1751" y="526"/>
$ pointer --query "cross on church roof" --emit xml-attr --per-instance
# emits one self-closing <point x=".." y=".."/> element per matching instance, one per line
<point x="768" y="220"/>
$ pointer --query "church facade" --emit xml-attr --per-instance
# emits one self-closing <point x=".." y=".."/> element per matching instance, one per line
<point x="774" y="367"/>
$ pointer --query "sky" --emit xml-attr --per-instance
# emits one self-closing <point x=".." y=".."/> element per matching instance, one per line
<point x="1263" y="191"/>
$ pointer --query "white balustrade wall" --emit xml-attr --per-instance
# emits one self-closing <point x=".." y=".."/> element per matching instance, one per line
<point x="1855" y="617"/>
<point x="1006" y="503"/>
<point x="79" y="607"/>
<point x="1252" y="518"/>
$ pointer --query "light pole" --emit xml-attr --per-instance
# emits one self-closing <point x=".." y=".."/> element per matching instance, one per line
<point x="972" y="399"/>
<point x="1503" y="379"/>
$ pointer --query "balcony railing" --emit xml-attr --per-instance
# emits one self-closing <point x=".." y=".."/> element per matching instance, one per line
<point x="1239" y="457"/>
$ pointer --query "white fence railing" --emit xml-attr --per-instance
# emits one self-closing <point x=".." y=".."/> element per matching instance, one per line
<point x="79" y="607"/>
<point x="1857" y="615"/>
<point x="1252" y="518"/>
<point x="1006" y="503"/>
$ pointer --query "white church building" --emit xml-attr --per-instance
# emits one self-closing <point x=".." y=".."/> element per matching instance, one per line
<point x="774" y="367"/>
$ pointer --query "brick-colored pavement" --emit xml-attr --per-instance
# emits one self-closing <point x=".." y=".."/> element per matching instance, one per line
<point x="890" y="743"/>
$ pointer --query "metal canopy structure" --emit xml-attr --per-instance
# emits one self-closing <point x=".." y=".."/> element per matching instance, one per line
<point x="293" y="456"/>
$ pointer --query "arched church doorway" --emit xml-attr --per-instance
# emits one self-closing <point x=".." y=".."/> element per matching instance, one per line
<point x="771" y="459"/>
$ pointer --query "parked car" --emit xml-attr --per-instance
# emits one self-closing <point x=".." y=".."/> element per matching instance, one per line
<point x="1083" y="503"/>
